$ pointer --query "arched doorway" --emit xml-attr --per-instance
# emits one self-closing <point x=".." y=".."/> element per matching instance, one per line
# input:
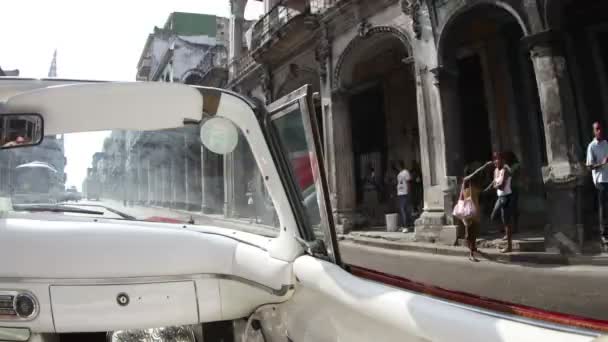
<point x="491" y="101"/>
<point x="376" y="74"/>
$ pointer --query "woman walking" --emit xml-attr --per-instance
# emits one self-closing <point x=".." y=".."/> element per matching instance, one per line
<point x="503" y="206"/>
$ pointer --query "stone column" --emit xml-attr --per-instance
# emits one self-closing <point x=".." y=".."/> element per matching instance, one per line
<point x="206" y="204"/>
<point x="438" y="188"/>
<point x="229" y="197"/>
<point x="192" y="174"/>
<point x="187" y="175"/>
<point x="440" y="148"/>
<point x="158" y="185"/>
<point x="143" y="180"/>
<point x="564" y="174"/>
<point x="237" y="18"/>
<point x="180" y="176"/>
<point x="150" y="182"/>
<point x="340" y="156"/>
<point x="173" y="182"/>
<point x="211" y="181"/>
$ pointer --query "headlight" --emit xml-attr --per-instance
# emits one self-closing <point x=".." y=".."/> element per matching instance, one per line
<point x="166" y="334"/>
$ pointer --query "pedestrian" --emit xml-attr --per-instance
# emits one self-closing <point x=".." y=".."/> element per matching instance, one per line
<point x="502" y="184"/>
<point x="597" y="159"/>
<point x="404" y="185"/>
<point x="514" y="167"/>
<point x="251" y="201"/>
<point x="390" y="182"/>
<point x="471" y="190"/>
<point x="418" y="189"/>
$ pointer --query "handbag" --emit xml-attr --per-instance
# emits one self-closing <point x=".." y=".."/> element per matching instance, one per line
<point x="465" y="208"/>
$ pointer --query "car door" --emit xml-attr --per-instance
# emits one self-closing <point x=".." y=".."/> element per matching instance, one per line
<point x="335" y="302"/>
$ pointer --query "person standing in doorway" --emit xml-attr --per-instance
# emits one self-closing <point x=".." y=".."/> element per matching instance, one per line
<point x="390" y="182"/>
<point x="502" y="184"/>
<point x="404" y="184"/>
<point x="597" y="160"/>
<point x="418" y="189"/>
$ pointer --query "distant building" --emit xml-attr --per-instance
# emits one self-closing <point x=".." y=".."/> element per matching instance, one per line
<point x="177" y="51"/>
<point x="13" y="73"/>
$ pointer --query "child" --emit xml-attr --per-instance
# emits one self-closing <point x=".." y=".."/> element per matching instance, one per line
<point x="471" y="189"/>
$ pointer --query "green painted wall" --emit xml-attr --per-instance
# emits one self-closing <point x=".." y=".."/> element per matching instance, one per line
<point x="191" y="24"/>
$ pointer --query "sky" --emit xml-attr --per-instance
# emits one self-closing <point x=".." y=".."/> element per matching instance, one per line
<point x="95" y="39"/>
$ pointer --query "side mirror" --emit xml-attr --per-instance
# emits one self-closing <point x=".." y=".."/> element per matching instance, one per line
<point x="20" y="130"/>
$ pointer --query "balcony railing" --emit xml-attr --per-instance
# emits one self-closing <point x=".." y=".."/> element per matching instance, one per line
<point x="244" y="64"/>
<point x="276" y="18"/>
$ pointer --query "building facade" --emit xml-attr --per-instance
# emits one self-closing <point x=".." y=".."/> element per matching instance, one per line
<point x="440" y="84"/>
<point x="169" y="168"/>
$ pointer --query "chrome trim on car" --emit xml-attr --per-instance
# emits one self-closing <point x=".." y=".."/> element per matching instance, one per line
<point x="14" y="294"/>
<point x="148" y="279"/>
<point x="14" y="334"/>
<point x="520" y="319"/>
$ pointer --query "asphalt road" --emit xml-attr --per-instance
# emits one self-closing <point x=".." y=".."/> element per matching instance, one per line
<point x="575" y="290"/>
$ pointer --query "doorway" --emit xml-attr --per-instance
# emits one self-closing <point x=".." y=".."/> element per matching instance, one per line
<point x="477" y="141"/>
<point x="369" y="140"/>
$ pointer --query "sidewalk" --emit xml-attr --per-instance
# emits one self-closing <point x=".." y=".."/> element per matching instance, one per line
<point x="529" y="247"/>
<point x="488" y="247"/>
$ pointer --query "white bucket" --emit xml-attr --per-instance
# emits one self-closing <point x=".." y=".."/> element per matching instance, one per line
<point x="392" y="222"/>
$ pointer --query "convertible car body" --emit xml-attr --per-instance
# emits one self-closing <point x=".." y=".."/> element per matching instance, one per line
<point x="77" y="276"/>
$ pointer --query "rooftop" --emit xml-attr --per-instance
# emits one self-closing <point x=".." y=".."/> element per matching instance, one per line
<point x="191" y="24"/>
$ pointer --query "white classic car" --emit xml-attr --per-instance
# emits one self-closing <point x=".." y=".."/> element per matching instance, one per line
<point x="89" y="277"/>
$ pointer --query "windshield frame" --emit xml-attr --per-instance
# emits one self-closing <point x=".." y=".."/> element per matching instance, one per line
<point x="193" y="104"/>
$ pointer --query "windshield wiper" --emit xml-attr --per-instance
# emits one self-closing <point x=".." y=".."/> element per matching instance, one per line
<point x="112" y="210"/>
<point x="54" y="208"/>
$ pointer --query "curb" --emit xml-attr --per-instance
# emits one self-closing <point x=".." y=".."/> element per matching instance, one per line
<point x="490" y="254"/>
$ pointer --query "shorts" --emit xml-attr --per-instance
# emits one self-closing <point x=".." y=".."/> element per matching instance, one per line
<point x="503" y="208"/>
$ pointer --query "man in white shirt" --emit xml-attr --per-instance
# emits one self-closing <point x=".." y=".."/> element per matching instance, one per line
<point x="597" y="160"/>
<point x="404" y="180"/>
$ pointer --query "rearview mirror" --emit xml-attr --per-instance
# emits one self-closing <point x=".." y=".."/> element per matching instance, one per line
<point x="20" y="130"/>
<point x="219" y="135"/>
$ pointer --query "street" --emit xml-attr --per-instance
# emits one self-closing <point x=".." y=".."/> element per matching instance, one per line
<point x="575" y="290"/>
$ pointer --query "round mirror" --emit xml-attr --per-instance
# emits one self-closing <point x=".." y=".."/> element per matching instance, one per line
<point x="219" y="135"/>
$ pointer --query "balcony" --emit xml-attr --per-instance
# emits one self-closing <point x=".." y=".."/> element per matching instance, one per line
<point x="286" y="26"/>
<point x="144" y="69"/>
<point x="244" y="65"/>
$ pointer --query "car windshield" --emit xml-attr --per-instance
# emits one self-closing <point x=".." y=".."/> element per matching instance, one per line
<point x="161" y="176"/>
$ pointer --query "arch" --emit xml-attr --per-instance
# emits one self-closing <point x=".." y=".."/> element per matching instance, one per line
<point x="364" y="36"/>
<point x="192" y="76"/>
<point x="457" y="14"/>
<point x="216" y="56"/>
